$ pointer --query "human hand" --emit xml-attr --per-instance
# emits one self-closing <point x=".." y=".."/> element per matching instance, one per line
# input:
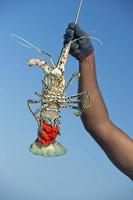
<point x="80" y="48"/>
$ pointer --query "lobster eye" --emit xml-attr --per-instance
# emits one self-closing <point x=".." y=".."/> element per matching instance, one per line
<point x="47" y="69"/>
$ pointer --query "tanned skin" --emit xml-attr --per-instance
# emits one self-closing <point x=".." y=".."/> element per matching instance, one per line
<point x="115" y="143"/>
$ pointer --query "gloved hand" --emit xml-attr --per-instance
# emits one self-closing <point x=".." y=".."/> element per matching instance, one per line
<point x="80" y="48"/>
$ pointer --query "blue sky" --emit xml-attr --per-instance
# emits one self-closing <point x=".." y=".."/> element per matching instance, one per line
<point x="84" y="172"/>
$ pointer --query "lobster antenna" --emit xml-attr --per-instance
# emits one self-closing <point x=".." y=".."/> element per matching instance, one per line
<point x="78" y="12"/>
<point x="75" y="22"/>
<point x="27" y="44"/>
<point x="67" y="46"/>
<point x="91" y="37"/>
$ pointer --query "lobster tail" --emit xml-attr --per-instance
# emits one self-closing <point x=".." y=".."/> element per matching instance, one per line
<point x="45" y="145"/>
<point x="47" y="150"/>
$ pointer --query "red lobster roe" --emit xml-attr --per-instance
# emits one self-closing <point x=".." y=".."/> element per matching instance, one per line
<point x="48" y="133"/>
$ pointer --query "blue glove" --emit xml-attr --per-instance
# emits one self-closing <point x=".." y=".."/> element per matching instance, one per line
<point x="80" y="48"/>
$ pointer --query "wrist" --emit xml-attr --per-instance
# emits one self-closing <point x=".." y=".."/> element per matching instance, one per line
<point x="84" y="60"/>
<point x="88" y="59"/>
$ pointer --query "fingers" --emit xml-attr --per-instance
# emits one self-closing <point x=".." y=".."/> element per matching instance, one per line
<point x="71" y="25"/>
<point x="69" y="34"/>
<point x="67" y="38"/>
<point x="79" y="32"/>
<point x="73" y="32"/>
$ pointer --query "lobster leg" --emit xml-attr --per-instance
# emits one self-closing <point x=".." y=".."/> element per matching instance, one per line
<point x="77" y="95"/>
<point x="77" y="101"/>
<point x="70" y="106"/>
<point x="74" y="75"/>
<point x="84" y="102"/>
<point x="34" y="113"/>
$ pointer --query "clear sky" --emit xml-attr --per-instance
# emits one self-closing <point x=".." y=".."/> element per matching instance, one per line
<point x="84" y="172"/>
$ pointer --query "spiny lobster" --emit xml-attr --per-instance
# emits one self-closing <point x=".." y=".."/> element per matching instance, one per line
<point x="52" y="99"/>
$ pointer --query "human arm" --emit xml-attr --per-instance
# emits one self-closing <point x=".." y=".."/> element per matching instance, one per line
<point x="115" y="143"/>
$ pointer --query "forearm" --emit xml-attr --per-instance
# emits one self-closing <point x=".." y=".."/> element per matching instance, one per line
<point x="97" y="113"/>
<point x="116" y="144"/>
